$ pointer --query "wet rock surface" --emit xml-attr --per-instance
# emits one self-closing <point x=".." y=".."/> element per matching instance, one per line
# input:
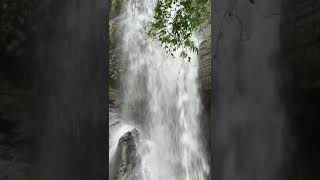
<point x="127" y="159"/>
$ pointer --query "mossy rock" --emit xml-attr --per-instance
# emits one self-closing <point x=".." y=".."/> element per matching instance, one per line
<point x="116" y="6"/>
<point x="114" y="96"/>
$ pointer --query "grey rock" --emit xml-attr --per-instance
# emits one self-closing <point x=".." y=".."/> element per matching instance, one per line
<point x="127" y="160"/>
<point x="205" y="69"/>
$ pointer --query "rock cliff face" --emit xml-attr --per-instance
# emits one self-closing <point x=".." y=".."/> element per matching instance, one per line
<point x="205" y="70"/>
<point x="205" y="79"/>
<point x="288" y="33"/>
<point x="71" y="92"/>
<point x="248" y="117"/>
<point x="116" y="6"/>
<point x="300" y="37"/>
<point x="61" y="72"/>
<point x="116" y="63"/>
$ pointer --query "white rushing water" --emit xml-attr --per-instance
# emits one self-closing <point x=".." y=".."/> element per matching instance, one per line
<point x="161" y="100"/>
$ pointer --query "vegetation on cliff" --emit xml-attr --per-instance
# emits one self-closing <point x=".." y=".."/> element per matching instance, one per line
<point x="174" y="23"/>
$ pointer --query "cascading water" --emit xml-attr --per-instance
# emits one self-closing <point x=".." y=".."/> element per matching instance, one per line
<point x="161" y="100"/>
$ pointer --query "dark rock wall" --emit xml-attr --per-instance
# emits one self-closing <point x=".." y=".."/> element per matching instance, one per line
<point x="20" y="22"/>
<point x="248" y="117"/>
<point x="52" y="89"/>
<point x="69" y="108"/>
<point x="301" y="50"/>
<point x="297" y="70"/>
<point x="205" y="79"/>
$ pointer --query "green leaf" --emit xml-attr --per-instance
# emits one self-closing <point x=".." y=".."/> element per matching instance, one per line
<point x="175" y="21"/>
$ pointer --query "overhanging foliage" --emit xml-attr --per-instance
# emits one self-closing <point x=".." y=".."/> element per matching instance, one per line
<point x="174" y="23"/>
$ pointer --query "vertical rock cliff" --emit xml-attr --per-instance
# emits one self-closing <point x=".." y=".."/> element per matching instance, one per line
<point x="300" y="35"/>
<point x="72" y="114"/>
<point x="248" y="119"/>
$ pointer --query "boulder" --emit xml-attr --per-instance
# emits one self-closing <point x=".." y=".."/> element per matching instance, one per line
<point x="127" y="161"/>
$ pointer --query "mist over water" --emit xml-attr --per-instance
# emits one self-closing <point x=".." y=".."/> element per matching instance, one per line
<point x="161" y="100"/>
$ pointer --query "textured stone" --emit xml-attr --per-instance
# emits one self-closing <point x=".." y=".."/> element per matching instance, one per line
<point x="127" y="160"/>
<point x="205" y="71"/>
<point x="205" y="65"/>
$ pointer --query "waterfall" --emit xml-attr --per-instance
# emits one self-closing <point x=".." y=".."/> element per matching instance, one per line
<point x="161" y="100"/>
